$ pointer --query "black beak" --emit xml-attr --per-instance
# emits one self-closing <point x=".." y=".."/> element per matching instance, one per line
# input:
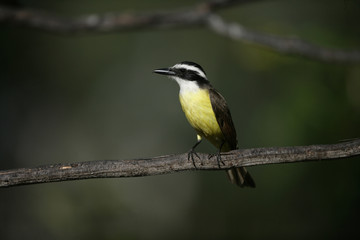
<point x="165" y="71"/>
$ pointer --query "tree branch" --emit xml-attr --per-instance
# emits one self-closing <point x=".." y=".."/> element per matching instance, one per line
<point x="176" y="163"/>
<point x="294" y="46"/>
<point x="112" y="22"/>
<point x="200" y="15"/>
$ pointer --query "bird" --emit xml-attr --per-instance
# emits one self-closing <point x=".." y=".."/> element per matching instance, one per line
<point x="208" y="113"/>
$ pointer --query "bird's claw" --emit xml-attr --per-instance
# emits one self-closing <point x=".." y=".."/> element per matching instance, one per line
<point x="218" y="158"/>
<point x="191" y="154"/>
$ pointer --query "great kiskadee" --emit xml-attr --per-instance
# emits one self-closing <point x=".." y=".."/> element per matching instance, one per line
<point x="208" y="113"/>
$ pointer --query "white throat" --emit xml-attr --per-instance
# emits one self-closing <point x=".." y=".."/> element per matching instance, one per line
<point x="187" y="86"/>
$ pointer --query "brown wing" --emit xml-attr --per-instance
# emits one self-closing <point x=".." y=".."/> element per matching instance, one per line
<point x="223" y="117"/>
<point x="239" y="176"/>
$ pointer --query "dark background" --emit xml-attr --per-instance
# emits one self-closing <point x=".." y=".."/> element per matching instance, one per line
<point x="66" y="98"/>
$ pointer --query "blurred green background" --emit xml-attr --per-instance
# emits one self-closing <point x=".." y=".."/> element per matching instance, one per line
<point x="70" y="98"/>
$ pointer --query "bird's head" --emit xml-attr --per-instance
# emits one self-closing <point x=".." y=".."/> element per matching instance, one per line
<point x="186" y="74"/>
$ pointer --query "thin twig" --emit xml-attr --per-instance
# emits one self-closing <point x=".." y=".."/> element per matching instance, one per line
<point x="176" y="163"/>
<point x="112" y="22"/>
<point x="286" y="45"/>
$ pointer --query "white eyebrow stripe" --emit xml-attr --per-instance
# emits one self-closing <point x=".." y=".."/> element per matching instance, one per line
<point x="191" y="68"/>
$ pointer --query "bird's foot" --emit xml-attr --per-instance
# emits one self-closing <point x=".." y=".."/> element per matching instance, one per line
<point x="218" y="158"/>
<point x="191" y="154"/>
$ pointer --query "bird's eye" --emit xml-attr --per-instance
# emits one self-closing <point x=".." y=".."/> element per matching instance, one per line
<point x="181" y="72"/>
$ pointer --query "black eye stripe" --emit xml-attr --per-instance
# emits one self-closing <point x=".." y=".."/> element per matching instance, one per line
<point x="189" y="74"/>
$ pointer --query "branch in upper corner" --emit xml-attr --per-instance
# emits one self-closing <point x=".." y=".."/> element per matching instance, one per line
<point x="112" y="22"/>
<point x="199" y="15"/>
<point x="97" y="23"/>
<point x="176" y="163"/>
<point x="286" y="45"/>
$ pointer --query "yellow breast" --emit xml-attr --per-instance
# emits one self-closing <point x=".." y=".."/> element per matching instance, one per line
<point x="198" y="111"/>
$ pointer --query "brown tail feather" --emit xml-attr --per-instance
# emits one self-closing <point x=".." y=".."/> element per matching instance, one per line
<point x="241" y="177"/>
